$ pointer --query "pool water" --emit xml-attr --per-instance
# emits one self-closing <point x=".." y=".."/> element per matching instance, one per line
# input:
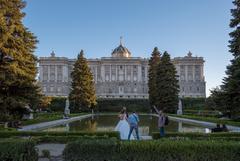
<point x="147" y="125"/>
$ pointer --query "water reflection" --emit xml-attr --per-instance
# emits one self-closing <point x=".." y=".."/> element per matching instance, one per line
<point x="147" y="125"/>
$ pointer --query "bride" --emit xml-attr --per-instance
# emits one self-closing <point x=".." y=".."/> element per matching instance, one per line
<point x="123" y="126"/>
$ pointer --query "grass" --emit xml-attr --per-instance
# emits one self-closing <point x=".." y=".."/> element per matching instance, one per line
<point x="208" y="119"/>
<point x="2" y="128"/>
<point x="45" y="117"/>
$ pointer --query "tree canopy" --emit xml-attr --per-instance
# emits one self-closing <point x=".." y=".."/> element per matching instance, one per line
<point x="18" y="86"/>
<point x="82" y="94"/>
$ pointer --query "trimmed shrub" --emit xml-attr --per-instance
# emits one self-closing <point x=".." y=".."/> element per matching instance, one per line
<point x="193" y="103"/>
<point x="64" y="139"/>
<point x="18" y="150"/>
<point x="57" y="104"/>
<point x="191" y="135"/>
<point x="6" y="134"/>
<point x="172" y="150"/>
<point x="46" y="153"/>
<point x="115" y="105"/>
<point x="160" y="150"/>
<point x="92" y="150"/>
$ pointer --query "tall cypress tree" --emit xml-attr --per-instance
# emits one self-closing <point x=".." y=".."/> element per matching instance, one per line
<point x="18" y="86"/>
<point x="152" y="74"/>
<point x="231" y="83"/>
<point x="167" y="85"/>
<point x="83" y="89"/>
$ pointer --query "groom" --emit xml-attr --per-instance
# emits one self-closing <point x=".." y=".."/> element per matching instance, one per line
<point x="133" y="122"/>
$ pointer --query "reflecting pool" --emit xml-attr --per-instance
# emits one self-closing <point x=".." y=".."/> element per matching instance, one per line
<point x="147" y="125"/>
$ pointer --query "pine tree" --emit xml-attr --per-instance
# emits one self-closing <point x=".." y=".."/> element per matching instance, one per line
<point x="231" y="83"/>
<point x="18" y="86"/>
<point x="153" y="63"/>
<point x="83" y="89"/>
<point x="167" y="85"/>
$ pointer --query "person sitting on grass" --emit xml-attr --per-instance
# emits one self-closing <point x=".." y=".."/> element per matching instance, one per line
<point x="217" y="128"/>
<point x="224" y="128"/>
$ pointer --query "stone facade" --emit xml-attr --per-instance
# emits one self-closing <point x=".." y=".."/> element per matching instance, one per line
<point x="119" y="76"/>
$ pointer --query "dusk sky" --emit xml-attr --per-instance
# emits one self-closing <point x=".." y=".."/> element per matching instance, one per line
<point x="178" y="26"/>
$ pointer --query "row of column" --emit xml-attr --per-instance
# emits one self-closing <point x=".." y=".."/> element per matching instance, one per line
<point x="64" y="73"/>
<point x="139" y="72"/>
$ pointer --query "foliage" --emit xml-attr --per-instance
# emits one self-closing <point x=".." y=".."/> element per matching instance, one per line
<point x="82" y="94"/>
<point x="65" y="139"/>
<point x="152" y="76"/>
<point x="193" y="103"/>
<point x="172" y="150"/>
<point x="206" y="113"/>
<point x="228" y="97"/>
<point x="216" y="101"/>
<point x="167" y="85"/>
<point x="91" y="150"/>
<point x="45" y="102"/>
<point x="194" y="135"/>
<point x="157" y="150"/>
<point x="115" y="105"/>
<point x="18" y="78"/>
<point x="17" y="150"/>
<point x="57" y="104"/>
<point x="209" y="119"/>
<point x="46" y="153"/>
<point x="43" y="117"/>
<point x="6" y="134"/>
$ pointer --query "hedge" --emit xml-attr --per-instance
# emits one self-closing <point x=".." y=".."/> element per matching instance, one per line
<point x="6" y="134"/>
<point x="92" y="150"/>
<point x="156" y="135"/>
<point x="18" y="150"/>
<point x="160" y="150"/>
<point x="115" y="105"/>
<point x="65" y="139"/>
<point x="57" y="104"/>
<point x="193" y="103"/>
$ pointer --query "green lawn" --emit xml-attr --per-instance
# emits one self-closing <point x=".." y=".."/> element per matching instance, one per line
<point x="208" y="119"/>
<point x="45" y="117"/>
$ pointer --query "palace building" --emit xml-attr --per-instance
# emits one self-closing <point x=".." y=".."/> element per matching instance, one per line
<point x="120" y="76"/>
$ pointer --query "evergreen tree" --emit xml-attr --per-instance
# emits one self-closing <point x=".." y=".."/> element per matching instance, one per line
<point x="231" y="83"/>
<point x="152" y="86"/>
<point x="167" y="85"/>
<point x="83" y="89"/>
<point x="18" y="86"/>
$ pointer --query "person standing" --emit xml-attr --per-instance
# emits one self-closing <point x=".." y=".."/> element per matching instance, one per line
<point x="133" y="122"/>
<point x="161" y="121"/>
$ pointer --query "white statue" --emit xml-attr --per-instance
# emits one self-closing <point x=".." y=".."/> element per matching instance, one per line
<point x="67" y="110"/>
<point x="179" y="111"/>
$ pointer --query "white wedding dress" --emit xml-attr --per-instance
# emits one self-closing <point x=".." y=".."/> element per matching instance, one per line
<point x="123" y="128"/>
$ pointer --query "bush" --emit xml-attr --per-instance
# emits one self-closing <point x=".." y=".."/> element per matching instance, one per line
<point x="6" y="134"/>
<point x="57" y="104"/>
<point x="92" y="150"/>
<point x="17" y="150"/>
<point x="46" y="153"/>
<point x="172" y="150"/>
<point x="164" y="150"/>
<point x="193" y="103"/>
<point x="115" y="105"/>
<point x="64" y="139"/>
<point x="191" y="135"/>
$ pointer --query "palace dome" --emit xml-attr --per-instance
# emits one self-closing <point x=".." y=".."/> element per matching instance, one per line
<point x="121" y="51"/>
